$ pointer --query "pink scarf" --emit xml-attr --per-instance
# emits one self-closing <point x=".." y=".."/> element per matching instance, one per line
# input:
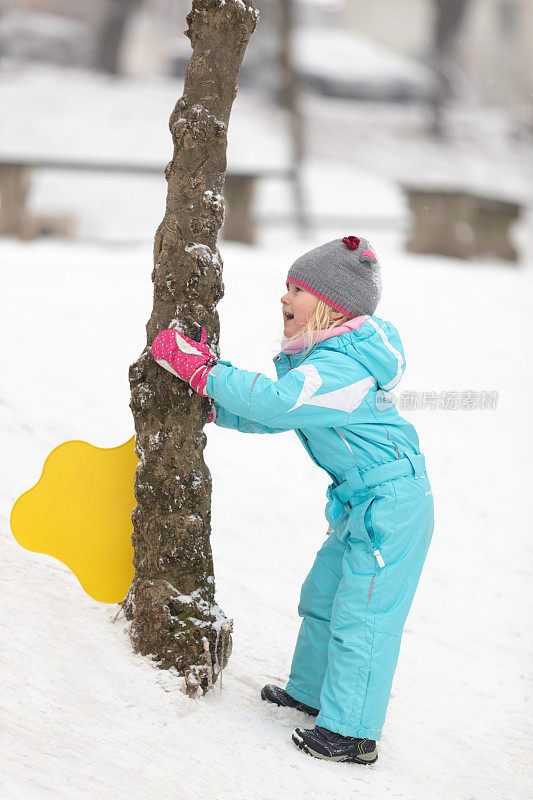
<point x="319" y="336"/>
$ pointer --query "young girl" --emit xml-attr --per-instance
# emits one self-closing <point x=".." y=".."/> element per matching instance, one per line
<point x="336" y="359"/>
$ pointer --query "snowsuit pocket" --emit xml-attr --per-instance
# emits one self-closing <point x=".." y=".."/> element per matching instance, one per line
<point x="360" y="525"/>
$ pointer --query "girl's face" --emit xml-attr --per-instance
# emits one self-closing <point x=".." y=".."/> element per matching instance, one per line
<point x="297" y="307"/>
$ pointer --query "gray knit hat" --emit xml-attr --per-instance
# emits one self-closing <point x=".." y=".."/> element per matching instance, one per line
<point x="344" y="273"/>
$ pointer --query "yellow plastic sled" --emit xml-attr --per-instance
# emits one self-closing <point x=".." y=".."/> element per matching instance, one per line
<point x="79" y="512"/>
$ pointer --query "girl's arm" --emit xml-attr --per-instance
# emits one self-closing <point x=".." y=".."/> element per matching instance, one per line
<point x="226" y="419"/>
<point x="326" y="390"/>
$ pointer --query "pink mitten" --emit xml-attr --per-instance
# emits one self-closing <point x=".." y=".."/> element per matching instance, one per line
<point x="212" y="414"/>
<point x="185" y="358"/>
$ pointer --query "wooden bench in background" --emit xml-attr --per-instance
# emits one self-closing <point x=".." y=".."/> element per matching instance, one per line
<point x="460" y="223"/>
<point x="15" y="185"/>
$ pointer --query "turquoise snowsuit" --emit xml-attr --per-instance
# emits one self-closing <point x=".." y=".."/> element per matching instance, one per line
<point x="356" y="598"/>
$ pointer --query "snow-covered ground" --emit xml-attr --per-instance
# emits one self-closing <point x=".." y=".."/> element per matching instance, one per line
<point x="82" y="717"/>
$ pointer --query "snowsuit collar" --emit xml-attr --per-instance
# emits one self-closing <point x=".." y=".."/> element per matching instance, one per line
<point x="318" y="336"/>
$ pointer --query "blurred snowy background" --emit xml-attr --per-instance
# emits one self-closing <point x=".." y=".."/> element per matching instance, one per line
<point x="415" y="125"/>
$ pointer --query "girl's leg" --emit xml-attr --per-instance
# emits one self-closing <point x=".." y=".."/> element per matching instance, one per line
<point x="310" y="658"/>
<point x="370" y="609"/>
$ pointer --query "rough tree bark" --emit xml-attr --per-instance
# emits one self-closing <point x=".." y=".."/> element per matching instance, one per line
<point x="171" y="600"/>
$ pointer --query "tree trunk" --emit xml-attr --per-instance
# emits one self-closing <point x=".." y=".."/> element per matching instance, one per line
<point x="290" y="100"/>
<point x="449" y="16"/>
<point x="171" y="600"/>
<point x="111" y="34"/>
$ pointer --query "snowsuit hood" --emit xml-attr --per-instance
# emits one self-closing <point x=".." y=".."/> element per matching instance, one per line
<point x="377" y="346"/>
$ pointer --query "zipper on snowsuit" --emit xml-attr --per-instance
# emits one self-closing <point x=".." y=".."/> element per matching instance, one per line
<point x="303" y="438"/>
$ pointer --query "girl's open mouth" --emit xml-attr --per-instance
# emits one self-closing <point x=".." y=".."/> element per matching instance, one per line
<point x="288" y="316"/>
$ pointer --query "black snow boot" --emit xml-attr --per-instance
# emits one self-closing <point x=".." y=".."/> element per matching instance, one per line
<point x="321" y="743"/>
<point x="275" y="694"/>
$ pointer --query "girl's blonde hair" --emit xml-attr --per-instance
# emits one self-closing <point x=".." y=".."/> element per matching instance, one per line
<point x="319" y="320"/>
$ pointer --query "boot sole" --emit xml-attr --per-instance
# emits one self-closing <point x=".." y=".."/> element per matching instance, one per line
<point x="311" y="712"/>
<point x="301" y="745"/>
